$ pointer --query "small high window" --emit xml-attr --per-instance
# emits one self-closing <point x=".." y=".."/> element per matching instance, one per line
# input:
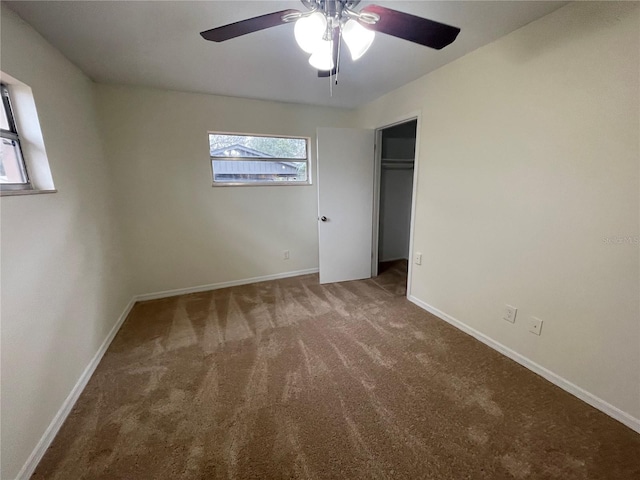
<point x="13" y="171"/>
<point x="258" y="159"/>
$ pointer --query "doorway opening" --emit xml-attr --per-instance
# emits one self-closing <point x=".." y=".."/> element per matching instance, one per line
<point x="393" y="206"/>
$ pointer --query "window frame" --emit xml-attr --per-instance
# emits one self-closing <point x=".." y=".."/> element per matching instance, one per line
<point x="261" y="159"/>
<point x="12" y="134"/>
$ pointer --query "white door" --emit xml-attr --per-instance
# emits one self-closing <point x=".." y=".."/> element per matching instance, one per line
<point x="345" y="203"/>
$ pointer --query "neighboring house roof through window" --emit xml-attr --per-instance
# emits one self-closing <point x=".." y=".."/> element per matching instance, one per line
<point x="239" y="151"/>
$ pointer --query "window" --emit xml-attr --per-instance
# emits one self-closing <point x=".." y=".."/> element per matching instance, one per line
<point x="258" y="159"/>
<point x="13" y="172"/>
<point x="24" y="165"/>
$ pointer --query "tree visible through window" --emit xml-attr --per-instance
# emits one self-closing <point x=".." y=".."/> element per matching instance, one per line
<point x="258" y="159"/>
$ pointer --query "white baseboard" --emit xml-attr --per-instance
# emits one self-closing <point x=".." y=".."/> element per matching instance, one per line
<point x="53" y="428"/>
<point x="216" y="286"/>
<point x="596" y="402"/>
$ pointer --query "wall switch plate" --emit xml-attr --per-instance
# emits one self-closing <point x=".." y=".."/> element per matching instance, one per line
<point x="418" y="259"/>
<point x="285" y="255"/>
<point x="535" y="325"/>
<point x="510" y="313"/>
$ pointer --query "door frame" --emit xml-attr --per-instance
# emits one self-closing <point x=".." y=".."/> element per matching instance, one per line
<point x="377" y="174"/>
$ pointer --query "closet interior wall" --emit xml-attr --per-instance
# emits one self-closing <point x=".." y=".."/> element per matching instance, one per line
<point x="396" y="185"/>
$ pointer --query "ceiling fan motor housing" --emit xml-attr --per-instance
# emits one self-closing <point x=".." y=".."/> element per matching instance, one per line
<point x="337" y="14"/>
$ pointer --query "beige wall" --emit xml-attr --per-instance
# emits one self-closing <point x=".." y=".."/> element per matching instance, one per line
<point x="63" y="283"/>
<point x="135" y="213"/>
<point x="181" y="231"/>
<point x="528" y="160"/>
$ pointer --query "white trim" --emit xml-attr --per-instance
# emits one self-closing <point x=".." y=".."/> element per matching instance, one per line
<point x="408" y="117"/>
<point x="414" y="203"/>
<point x="397" y="120"/>
<point x="596" y="402"/>
<point x="31" y="139"/>
<point x="377" y="179"/>
<point x="52" y="430"/>
<point x="216" y="286"/>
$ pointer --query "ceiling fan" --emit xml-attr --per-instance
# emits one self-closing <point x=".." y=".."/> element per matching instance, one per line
<point x="321" y="29"/>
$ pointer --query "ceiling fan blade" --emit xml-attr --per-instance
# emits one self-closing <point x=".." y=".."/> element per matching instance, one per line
<point x="412" y="28"/>
<point x="250" y="25"/>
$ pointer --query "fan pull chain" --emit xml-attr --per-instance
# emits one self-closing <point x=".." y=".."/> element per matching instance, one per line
<point x="338" y="56"/>
<point x="330" y="79"/>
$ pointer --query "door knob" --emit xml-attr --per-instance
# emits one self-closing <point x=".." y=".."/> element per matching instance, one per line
<point x="323" y="218"/>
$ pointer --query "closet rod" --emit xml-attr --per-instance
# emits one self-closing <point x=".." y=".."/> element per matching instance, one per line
<point x="398" y="165"/>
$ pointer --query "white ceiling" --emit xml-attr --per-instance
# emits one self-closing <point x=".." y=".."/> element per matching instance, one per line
<point x="158" y="44"/>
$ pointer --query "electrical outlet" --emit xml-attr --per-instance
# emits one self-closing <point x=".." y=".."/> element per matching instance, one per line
<point x="535" y="325"/>
<point x="510" y="313"/>
<point x="285" y="255"/>
<point x="418" y="259"/>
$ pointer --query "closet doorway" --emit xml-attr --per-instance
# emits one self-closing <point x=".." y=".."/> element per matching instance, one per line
<point x="396" y="154"/>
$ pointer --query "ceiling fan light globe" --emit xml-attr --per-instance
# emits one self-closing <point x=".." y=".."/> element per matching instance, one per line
<point x="309" y="30"/>
<point x="357" y="38"/>
<point x="322" y="57"/>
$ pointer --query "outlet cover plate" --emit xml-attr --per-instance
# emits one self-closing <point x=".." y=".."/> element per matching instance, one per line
<point x="510" y="313"/>
<point x="535" y="325"/>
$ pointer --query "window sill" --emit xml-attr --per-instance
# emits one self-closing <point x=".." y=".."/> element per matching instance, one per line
<point x="262" y="184"/>
<point x="10" y="193"/>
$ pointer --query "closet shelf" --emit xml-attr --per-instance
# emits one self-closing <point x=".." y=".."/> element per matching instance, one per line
<point x="397" y="163"/>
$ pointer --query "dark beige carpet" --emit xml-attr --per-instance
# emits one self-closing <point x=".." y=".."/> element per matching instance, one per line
<point x="291" y="379"/>
<point x="392" y="276"/>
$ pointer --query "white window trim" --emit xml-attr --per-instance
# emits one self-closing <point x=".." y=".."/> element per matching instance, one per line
<point x="31" y="140"/>
<point x="13" y="135"/>
<point x="261" y="184"/>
